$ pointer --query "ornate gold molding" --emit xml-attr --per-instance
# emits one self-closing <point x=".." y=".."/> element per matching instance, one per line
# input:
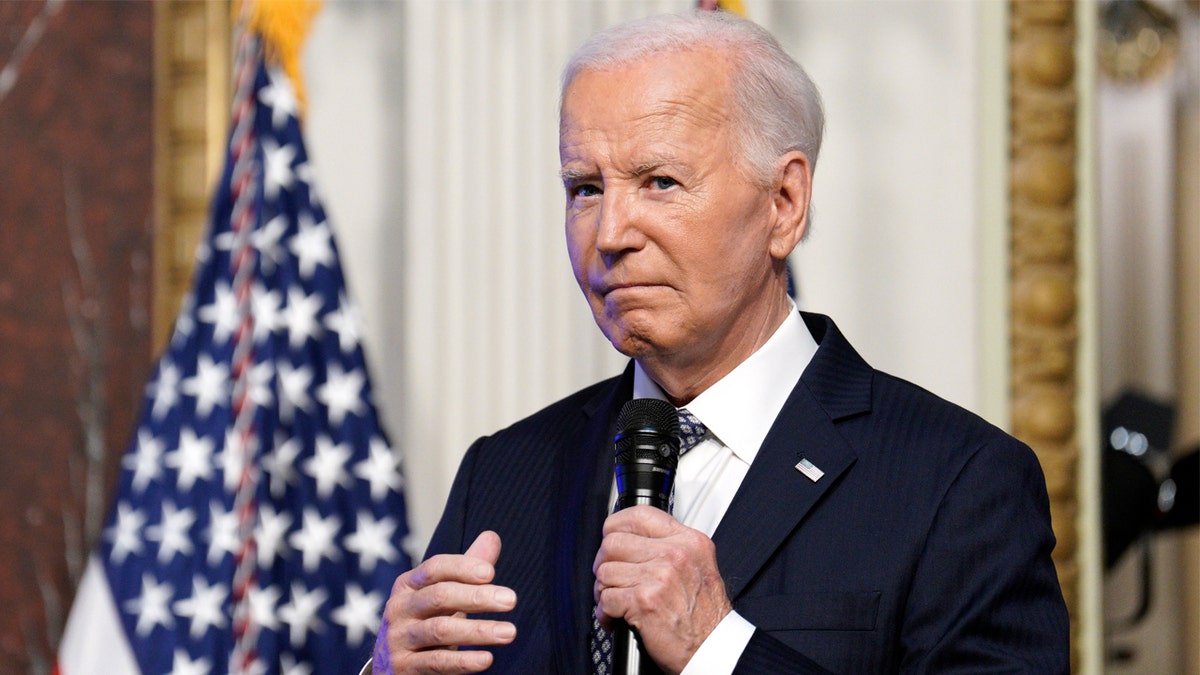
<point x="191" y="82"/>
<point x="1043" y="274"/>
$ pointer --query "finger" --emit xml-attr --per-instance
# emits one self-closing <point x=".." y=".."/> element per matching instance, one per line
<point x="449" y="597"/>
<point x="645" y="521"/>
<point x="446" y="567"/>
<point x="606" y="621"/>
<point x="618" y="574"/>
<point x="451" y="631"/>
<point x="485" y="547"/>
<point x="626" y="547"/>
<point x="442" y="661"/>
<point x="616" y="603"/>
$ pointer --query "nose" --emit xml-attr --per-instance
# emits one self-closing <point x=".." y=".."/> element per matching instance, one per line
<point x="618" y="230"/>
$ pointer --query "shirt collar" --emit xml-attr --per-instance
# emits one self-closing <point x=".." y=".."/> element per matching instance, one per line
<point x="740" y="408"/>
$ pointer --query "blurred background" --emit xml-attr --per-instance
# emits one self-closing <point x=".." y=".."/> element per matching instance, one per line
<point x="431" y="126"/>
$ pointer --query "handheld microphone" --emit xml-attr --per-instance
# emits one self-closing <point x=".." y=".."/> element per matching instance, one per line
<point x="647" y="453"/>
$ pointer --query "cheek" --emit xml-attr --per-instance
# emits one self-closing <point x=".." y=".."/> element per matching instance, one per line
<point x="578" y="248"/>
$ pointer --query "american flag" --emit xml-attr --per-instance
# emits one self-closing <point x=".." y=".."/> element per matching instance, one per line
<point x="259" y="520"/>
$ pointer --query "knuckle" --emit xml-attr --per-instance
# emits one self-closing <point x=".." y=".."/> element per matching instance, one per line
<point x="439" y="629"/>
<point x="477" y="597"/>
<point x="644" y="596"/>
<point x="676" y="556"/>
<point x="413" y="636"/>
<point x="438" y="596"/>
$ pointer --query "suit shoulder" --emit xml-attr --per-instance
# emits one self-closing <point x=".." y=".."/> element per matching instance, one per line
<point x="570" y="411"/>
<point x="931" y="421"/>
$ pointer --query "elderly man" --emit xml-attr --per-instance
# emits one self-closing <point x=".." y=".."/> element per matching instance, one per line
<point x="831" y="517"/>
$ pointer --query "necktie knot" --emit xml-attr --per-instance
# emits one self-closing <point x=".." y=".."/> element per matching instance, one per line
<point x="691" y="431"/>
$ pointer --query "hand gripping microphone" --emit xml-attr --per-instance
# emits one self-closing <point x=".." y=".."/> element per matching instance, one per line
<point x="647" y="452"/>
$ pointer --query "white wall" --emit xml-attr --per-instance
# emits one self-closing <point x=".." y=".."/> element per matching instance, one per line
<point x="433" y="131"/>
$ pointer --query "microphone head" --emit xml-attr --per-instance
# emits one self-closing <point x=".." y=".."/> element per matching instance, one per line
<point x="647" y="452"/>
<point x="655" y="423"/>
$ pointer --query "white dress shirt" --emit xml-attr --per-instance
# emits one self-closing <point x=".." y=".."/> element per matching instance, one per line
<point x="738" y="411"/>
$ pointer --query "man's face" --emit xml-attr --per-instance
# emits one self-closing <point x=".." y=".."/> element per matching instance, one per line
<point x="668" y="239"/>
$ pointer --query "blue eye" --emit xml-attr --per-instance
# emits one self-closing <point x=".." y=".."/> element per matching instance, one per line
<point x="584" y="190"/>
<point x="663" y="182"/>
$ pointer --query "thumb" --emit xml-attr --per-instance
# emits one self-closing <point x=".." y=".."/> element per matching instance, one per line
<point x="485" y="547"/>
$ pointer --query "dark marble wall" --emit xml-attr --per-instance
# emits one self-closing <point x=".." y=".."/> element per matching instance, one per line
<point x="76" y="169"/>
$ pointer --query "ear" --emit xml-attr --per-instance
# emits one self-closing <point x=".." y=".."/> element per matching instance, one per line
<point x="792" y="193"/>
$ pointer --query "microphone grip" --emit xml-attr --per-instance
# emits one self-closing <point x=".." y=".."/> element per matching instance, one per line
<point x="647" y="453"/>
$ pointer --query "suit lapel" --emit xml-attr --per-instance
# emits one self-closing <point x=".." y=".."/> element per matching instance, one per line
<point x="585" y="482"/>
<point x="775" y="496"/>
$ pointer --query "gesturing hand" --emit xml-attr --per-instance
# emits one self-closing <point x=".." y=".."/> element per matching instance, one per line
<point x="662" y="578"/>
<point x="425" y="618"/>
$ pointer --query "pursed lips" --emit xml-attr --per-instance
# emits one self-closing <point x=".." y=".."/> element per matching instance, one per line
<point x="606" y="288"/>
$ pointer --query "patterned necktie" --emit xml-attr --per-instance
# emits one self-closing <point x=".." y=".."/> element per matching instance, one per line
<point x="691" y="432"/>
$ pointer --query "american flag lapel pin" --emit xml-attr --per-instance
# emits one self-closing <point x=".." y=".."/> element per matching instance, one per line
<point x="809" y="469"/>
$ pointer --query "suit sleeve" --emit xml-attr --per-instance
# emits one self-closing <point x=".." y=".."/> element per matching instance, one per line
<point x="765" y="654"/>
<point x="985" y="596"/>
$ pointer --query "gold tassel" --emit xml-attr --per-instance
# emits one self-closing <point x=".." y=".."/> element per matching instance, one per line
<point x="283" y="25"/>
<point x="732" y="6"/>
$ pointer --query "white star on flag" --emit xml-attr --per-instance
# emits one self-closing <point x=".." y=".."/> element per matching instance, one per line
<point x="172" y="533"/>
<point x="327" y="466"/>
<point x="277" y="168"/>
<point x="125" y="533"/>
<point x="182" y="664"/>
<point x="266" y="241"/>
<point x="360" y="614"/>
<point x="372" y="540"/>
<point x="280" y="465"/>
<point x="296" y="384"/>
<point x="261" y="376"/>
<point x="150" y="607"/>
<point x="289" y="666"/>
<point x="300" y="315"/>
<point x="315" y="539"/>
<point x="210" y="385"/>
<point x="222" y="533"/>
<point x="379" y="470"/>
<point x="165" y="389"/>
<point x="279" y="97"/>
<point x="192" y="459"/>
<point x="222" y="314"/>
<point x="344" y="322"/>
<point x="300" y="612"/>
<point x="204" y="607"/>
<point x="313" y="245"/>
<point x="263" y="603"/>
<point x="270" y="533"/>
<point x="145" y="462"/>
<point x="265" y="306"/>
<point x="342" y="393"/>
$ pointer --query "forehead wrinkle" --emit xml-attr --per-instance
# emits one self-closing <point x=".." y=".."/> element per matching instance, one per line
<point x="702" y="108"/>
<point x="648" y="135"/>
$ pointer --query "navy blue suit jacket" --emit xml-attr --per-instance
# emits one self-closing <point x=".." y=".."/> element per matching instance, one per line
<point x="925" y="547"/>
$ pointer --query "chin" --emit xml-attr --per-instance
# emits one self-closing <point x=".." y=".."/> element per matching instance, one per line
<point x="634" y="344"/>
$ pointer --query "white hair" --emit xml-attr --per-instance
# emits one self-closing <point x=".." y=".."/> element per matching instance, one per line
<point x="776" y="107"/>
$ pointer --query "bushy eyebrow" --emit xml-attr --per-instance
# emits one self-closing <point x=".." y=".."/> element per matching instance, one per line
<point x="574" y="175"/>
<point x="571" y="175"/>
<point x="651" y="167"/>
